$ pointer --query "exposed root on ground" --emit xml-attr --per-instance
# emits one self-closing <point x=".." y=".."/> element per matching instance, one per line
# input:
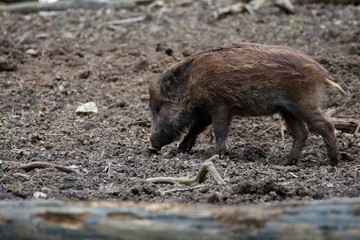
<point x="207" y="167"/>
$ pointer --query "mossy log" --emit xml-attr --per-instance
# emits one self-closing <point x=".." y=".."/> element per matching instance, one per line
<point x="52" y="219"/>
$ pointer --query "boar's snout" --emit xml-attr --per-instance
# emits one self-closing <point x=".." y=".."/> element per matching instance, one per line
<point x="158" y="139"/>
<point x="155" y="144"/>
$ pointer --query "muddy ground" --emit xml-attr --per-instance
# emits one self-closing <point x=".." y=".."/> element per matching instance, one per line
<point x="51" y="63"/>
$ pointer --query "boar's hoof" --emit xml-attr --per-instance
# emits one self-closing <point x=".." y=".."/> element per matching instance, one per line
<point x="183" y="149"/>
<point x="153" y="150"/>
<point x="290" y="161"/>
<point x="334" y="162"/>
<point x="186" y="145"/>
<point x="221" y="150"/>
<point x="221" y="154"/>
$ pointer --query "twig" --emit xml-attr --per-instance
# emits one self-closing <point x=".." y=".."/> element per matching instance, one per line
<point x="263" y="132"/>
<point x="207" y="167"/>
<point x="73" y="124"/>
<point x="357" y="130"/>
<point x="282" y="128"/>
<point x="262" y="172"/>
<point x="31" y="166"/>
<point x="285" y="168"/>
<point x="139" y="123"/>
<point x="115" y="28"/>
<point x="22" y="175"/>
<point x="127" y="20"/>
<point x="292" y="174"/>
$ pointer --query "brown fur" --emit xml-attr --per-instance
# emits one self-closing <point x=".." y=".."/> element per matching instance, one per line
<point x="245" y="79"/>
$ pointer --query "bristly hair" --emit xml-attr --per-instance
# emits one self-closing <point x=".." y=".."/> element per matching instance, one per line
<point x="173" y="82"/>
<point x="224" y="47"/>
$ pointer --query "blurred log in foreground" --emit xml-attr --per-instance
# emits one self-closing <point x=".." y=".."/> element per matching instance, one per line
<point x="52" y="219"/>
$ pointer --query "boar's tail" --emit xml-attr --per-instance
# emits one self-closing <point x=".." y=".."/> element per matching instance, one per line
<point x="335" y="86"/>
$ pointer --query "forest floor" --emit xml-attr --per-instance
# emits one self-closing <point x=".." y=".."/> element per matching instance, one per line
<point x="51" y="63"/>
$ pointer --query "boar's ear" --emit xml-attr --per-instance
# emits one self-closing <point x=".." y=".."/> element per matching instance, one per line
<point x="173" y="84"/>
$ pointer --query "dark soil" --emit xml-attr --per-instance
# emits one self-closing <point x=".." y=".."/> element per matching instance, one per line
<point x="52" y="63"/>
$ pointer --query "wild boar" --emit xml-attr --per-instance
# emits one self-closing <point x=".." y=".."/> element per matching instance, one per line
<point x="241" y="79"/>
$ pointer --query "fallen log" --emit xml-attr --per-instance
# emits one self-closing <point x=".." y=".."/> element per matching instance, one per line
<point x="346" y="124"/>
<point x="349" y="125"/>
<point x="52" y="219"/>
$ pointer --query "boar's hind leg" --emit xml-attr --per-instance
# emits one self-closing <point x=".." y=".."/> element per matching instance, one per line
<point x="189" y="140"/>
<point x="319" y="123"/>
<point x="299" y="132"/>
<point x="221" y="119"/>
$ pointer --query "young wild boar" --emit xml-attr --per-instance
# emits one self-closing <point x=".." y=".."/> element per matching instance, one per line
<point x="244" y="79"/>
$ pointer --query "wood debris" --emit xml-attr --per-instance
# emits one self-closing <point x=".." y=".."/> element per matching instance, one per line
<point x="252" y="7"/>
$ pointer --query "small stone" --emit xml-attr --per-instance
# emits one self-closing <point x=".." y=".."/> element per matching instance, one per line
<point x="213" y="198"/>
<point x="38" y="195"/>
<point x="32" y="52"/>
<point x="6" y="65"/>
<point x="147" y="152"/>
<point x="204" y="189"/>
<point x="84" y="74"/>
<point x="86" y="108"/>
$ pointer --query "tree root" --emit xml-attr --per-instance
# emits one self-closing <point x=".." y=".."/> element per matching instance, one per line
<point x="31" y="166"/>
<point x="207" y="167"/>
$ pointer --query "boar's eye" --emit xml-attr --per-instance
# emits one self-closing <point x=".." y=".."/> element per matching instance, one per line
<point x="158" y="108"/>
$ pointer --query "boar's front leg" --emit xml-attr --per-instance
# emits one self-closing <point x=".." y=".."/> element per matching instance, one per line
<point x="221" y="119"/>
<point x="196" y="128"/>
